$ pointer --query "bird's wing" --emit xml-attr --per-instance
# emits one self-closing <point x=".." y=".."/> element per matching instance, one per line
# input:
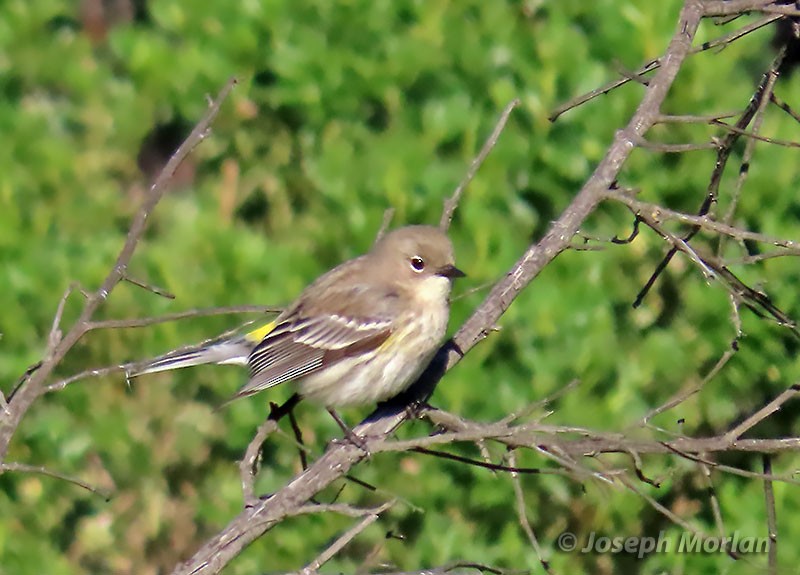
<point x="307" y="340"/>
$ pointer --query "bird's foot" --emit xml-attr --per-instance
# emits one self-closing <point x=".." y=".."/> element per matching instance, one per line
<point x="350" y="436"/>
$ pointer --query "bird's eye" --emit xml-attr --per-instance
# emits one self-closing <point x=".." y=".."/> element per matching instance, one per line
<point x="417" y="263"/>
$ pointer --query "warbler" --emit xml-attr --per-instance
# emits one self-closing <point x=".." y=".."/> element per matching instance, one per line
<point x="361" y="333"/>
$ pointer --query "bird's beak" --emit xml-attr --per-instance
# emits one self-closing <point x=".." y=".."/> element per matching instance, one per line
<point x="450" y="271"/>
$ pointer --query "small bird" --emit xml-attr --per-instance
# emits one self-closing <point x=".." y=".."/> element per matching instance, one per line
<point x="360" y="334"/>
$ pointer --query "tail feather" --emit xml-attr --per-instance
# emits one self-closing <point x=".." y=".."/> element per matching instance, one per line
<point x="233" y="351"/>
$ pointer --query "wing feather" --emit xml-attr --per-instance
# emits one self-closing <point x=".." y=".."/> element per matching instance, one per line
<point x="301" y="343"/>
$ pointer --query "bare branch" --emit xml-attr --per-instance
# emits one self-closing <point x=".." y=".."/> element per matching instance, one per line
<point x="148" y="287"/>
<point x="342" y="541"/>
<point x="725" y="148"/>
<point x="55" y="330"/>
<point x="762" y="413"/>
<point x="387" y="220"/>
<point x="25" y="468"/>
<point x="682" y="396"/>
<point x="653" y="65"/>
<point x="765" y="97"/>
<point x="143" y="322"/>
<point x="688" y="119"/>
<point x="755" y="258"/>
<point x="735" y="7"/>
<point x="785" y="107"/>
<point x="522" y="514"/>
<point x="676" y="519"/>
<point x="488" y="465"/>
<point x="460" y="568"/>
<point x="589" y="443"/>
<point x="33" y="386"/>
<point x="712" y="496"/>
<point x="192" y="313"/>
<point x="702" y="459"/>
<point x="567" y="450"/>
<point x="452" y="202"/>
<point x="342" y="509"/>
<point x="248" y="464"/>
<point x="657" y="214"/>
<point x="772" y="522"/>
<point x="94" y="372"/>
<point x="676" y="148"/>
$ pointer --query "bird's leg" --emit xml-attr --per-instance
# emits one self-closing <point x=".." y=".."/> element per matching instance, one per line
<point x="349" y="434"/>
<point x="287" y="408"/>
<point x="298" y="436"/>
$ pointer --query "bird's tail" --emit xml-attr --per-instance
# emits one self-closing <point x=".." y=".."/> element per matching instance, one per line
<point x="231" y="351"/>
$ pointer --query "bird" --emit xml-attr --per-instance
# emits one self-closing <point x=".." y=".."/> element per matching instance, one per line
<point x="360" y="334"/>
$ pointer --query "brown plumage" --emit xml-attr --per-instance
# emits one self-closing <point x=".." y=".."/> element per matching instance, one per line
<point x="360" y="333"/>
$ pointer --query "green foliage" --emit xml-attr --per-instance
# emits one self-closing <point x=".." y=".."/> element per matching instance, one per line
<point x="343" y="110"/>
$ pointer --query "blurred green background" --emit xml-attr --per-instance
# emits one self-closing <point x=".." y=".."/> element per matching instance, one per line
<point x="343" y="110"/>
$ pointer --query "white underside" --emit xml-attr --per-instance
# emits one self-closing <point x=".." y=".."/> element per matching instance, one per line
<point x="358" y="382"/>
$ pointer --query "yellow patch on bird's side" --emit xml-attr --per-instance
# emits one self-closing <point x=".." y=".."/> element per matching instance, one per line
<point x="260" y="332"/>
<point x="390" y="342"/>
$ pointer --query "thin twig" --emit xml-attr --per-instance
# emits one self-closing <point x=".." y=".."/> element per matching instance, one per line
<point x="387" y="220"/>
<point x="451" y="203"/>
<point x="680" y="245"/>
<point x="33" y="387"/>
<point x="94" y="372"/>
<point x="788" y="479"/>
<point x="756" y="258"/>
<point x="772" y="522"/>
<point x="489" y="465"/>
<point x="676" y="519"/>
<point x="341" y="542"/>
<point x="712" y="496"/>
<point x="148" y="287"/>
<point x="659" y="213"/>
<point x="25" y="468"/>
<point x="549" y="400"/>
<point x="733" y="7"/>
<point x="683" y="395"/>
<point x="248" y="464"/>
<point x="725" y="148"/>
<point x="753" y="136"/>
<point x="765" y="97"/>
<point x="459" y="568"/>
<point x="298" y="436"/>
<point x="653" y="65"/>
<point x="785" y="107"/>
<point x="676" y="148"/>
<point x="191" y="313"/>
<point x="689" y="119"/>
<point x="763" y="413"/>
<point x="342" y="509"/>
<point x="522" y="514"/>
<point x="55" y="329"/>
